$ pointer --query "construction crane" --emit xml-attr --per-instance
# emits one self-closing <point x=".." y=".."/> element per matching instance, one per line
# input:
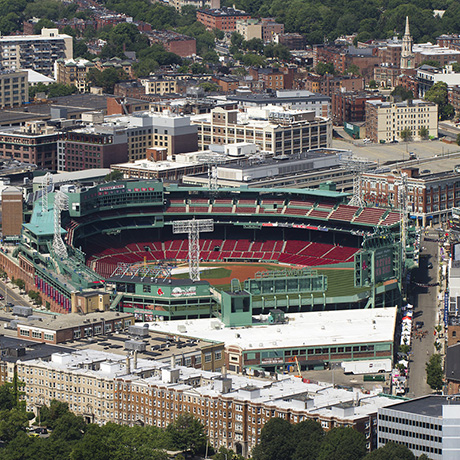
<point x="298" y="367"/>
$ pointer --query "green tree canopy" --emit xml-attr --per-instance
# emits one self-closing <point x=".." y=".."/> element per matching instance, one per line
<point x="187" y="433"/>
<point x="275" y="441"/>
<point x="434" y="372"/>
<point x="342" y="444"/>
<point x="402" y="93"/>
<point x="391" y="451"/>
<point x="438" y="94"/>
<point x="406" y="134"/>
<point x="323" y="68"/>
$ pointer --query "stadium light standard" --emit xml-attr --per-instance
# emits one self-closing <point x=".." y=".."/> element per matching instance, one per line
<point x="193" y="228"/>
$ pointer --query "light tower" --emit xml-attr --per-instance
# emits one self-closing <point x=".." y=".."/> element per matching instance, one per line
<point x="357" y="166"/>
<point x="193" y="228"/>
<point x="403" y="209"/>
<point x="61" y="203"/>
<point x="47" y="187"/>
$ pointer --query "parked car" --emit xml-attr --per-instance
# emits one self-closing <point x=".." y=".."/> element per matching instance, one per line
<point x="419" y="325"/>
<point x="430" y="265"/>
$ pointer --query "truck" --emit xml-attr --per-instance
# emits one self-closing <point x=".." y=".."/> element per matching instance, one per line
<point x="373" y="366"/>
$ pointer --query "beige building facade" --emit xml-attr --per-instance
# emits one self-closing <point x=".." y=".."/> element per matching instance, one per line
<point x="280" y="132"/>
<point x="386" y="120"/>
<point x="14" y="89"/>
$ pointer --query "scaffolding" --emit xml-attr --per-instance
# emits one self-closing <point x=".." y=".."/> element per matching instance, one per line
<point x="143" y="270"/>
<point x="403" y="209"/>
<point x="193" y="228"/>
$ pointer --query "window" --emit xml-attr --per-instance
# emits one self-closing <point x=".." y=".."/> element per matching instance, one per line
<point x="24" y="332"/>
<point x="49" y="337"/>
<point x="218" y="355"/>
<point x="207" y="357"/>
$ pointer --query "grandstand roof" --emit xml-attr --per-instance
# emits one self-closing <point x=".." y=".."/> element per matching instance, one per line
<point x="306" y="329"/>
<point x="261" y="190"/>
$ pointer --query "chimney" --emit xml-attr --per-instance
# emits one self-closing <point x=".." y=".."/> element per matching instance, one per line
<point x="135" y="360"/>
<point x="173" y="362"/>
<point x="128" y="364"/>
<point x="224" y="371"/>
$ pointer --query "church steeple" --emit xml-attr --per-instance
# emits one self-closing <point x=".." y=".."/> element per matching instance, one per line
<point x="407" y="58"/>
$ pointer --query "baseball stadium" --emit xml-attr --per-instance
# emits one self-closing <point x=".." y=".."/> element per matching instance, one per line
<point x="295" y="250"/>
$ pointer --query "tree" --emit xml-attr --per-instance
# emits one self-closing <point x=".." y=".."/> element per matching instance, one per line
<point x="113" y="176"/>
<point x="275" y="441"/>
<point x="431" y="63"/>
<point x="406" y="134"/>
<point x="187" y="433"/>
<point x="373" y="84"/>
<point x="11" y="423"/>
<point x="107" y="79"/>
<point x="323" y="68"/>
<point x="391" y="451"/>
<point x="402" y="93"/>
<point x="354" y="70"/>
<point x="434" y="372"/>
<point x="20" y="284"/>
<point x="226" y="454"/>
<point x="7" y="397"/>
<point x="342" y="444"/>
<point x="209" y="86"/>
<point x="307" y="439"/>
<point x="423" y="132"/>
<point x="438" y="94"/>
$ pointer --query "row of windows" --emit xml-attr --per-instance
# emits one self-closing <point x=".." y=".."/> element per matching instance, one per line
<point x="432" y="450"/>
<point x="403" y="421"/>
<point x="410" y="434"/>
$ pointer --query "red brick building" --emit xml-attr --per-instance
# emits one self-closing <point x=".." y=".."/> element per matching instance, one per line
<point x="222" y="18"/>
<point x="34" y="143"/>
<point x="176" y="43"/>
<point x="350" y="106"/>
<point x="89" y="148"/>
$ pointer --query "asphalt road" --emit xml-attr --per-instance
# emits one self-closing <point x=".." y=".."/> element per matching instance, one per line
<point x="425" y="309"/>
<point x="10" y="295"/>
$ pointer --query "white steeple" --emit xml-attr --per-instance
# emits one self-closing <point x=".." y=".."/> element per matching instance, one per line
<point x="407" y="58"/>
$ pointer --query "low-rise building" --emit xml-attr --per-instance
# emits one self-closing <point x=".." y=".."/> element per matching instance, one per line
<point x="159" y="85"/>
<point x="386" y="120"/>
<point x="453" y="369"/>
<point x="426" y="425"/>
<point x="174" y="42"/>
<point x="65" y="328"/>
<point x="222" y="18"/>
<point x="106" y="387"/>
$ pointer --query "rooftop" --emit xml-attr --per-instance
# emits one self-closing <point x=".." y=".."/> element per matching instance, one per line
<point x="430" y="406"/>
<point x="57" y="323"/>
<point x="331" y="327"/>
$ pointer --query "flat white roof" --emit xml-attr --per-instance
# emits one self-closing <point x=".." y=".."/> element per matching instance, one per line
<point x="302" y="329"/>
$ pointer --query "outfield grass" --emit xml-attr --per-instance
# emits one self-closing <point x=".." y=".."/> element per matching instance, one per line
<point x="216" y="273"/>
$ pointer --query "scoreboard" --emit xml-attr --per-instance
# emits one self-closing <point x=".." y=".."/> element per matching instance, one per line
<point x="383" y="264"/>
<point x="374" y="266"/>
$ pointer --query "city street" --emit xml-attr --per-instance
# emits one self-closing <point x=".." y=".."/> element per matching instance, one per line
<point x="11" y="294"/>
<point x="425" y="309"/>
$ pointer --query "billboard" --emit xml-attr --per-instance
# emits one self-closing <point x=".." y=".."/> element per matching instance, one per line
<point x="383" y="264"/>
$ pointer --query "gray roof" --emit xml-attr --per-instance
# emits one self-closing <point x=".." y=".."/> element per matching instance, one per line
<point x="33" y="350"/>
<point x="430" y="406"/>
<point x="57" y="323"/>
<point x="453" y="362"/>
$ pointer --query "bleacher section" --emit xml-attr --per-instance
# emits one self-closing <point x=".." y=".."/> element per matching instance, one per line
<point x="302" y="253"/>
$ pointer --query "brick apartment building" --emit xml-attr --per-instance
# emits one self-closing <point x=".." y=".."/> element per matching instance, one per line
<point x="176" y="43"/>
<point x="222" y="18"/>
<point x="330" y="84"/>
<point x="431" y="196"/>
<point x="34" y="143"/>
<point x="350" y="106"/>
<point x="92" y="147"/>
<point x="105" y="387"/>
